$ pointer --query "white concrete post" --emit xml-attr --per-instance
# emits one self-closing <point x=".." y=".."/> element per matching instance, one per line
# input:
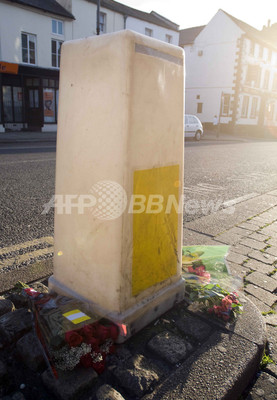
<point x="120" y="153"/>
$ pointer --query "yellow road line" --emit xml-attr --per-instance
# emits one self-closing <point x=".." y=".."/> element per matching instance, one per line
<point x="25" y="257"/>
<point x="47" y="239"/>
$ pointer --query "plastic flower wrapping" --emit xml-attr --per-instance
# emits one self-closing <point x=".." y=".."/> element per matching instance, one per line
<point x="70" y="334"/>
<point x="209" y="286"/>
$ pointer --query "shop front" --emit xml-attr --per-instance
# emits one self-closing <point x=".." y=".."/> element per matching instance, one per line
<point x="28" y="98"/>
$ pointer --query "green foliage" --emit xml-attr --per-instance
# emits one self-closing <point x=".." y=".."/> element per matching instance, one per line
<point x="266" y="359"/>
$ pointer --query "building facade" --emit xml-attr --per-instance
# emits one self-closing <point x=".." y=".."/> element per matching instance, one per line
<point x="232" y="75"/>
<point x="31" y="36"/>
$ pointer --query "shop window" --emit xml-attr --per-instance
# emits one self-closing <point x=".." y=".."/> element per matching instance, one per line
<point x="199" y="108"/>
<point x="245" y="104"/>
<point x="254" y="107"/>
<point x="225" y="104"/>
<point x="12" y="104"/>
<point x="56" y="52"/>
<point x="28" y="44"/>
<point x="270" y="111"/>
<point x="57" y="27"/>
<point x="168" y="38"/>
<point x="148" y="32"/>
<point x="102" y="22"/>
<point x="49" y="105"/>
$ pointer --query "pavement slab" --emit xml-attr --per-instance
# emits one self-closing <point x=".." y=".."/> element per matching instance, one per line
<point x="259" y="304"/>
<point x="272" y="341"/>
<point x="249" y="225"/>
<point x="253" y="244"/>
<point x="259" y="236"/>
<point x="220" y="221"/>
<point x="259" y="266"/>
<point x="191" y="237"/>
<point x="271" y="250"/>
<point x="239" y="248"/>
<point x="236" y="258"/>
<point x="265" y="296"/>
<point x="264" y="388"/>
<point x="262" y="256"/>
<point x="237" y="270"/>
<point x="263" y="281"/>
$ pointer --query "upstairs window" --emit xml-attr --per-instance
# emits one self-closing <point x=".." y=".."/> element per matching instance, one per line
<point x="254" y="107"/>
<point x="56" y="52"/>
<point x="253" y="76"/>
<point x="252" y="48"/>
<point x="57" y="27"/>
<point x="28" y="43"/>
<point x="168" y="38"/>
<point x="102" y="22"/>
<point x="266" y="80"/>
<point x="261" y="52"/>
<point x="148" y="32"/>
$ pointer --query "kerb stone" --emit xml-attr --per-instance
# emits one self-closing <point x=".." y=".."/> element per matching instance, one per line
<point x="169" y="347"/>
<point x="30" y="351"/>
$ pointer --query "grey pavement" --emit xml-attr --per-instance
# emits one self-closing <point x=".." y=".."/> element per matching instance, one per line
<point x="27" y="137"/>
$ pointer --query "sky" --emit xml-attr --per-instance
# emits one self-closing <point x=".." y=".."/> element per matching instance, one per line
<point x="188" y="13"/>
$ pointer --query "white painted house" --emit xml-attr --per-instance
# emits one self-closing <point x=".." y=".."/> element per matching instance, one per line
<point x="231" y="72"/>
<point x="31" y="36"/>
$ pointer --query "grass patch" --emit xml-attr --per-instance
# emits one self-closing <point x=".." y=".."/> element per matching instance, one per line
<point x="268" y="312"/>
<point x="272" y="272"/>
<point x="266" y="359"/>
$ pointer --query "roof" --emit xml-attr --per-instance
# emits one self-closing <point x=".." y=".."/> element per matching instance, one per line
<point x="270" y="33"/>
<point x="251" y="31"/>
<point x="153" y="17"/>
<point x="188" y="35"/>
<point x="50" y="6"/>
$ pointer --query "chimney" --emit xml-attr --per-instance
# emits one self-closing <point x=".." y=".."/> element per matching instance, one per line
<point x="268" y="23"/>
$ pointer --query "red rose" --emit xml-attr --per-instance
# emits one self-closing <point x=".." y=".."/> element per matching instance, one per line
<point x="94" y="342"/>
<point x="103" y="333"/>
<point x="99" y="367"/>
<point x="86" y="361"/>
<point x="73" y="339"/>
<point x="113" y="332"/>
<point x="112" y="349"/>
<point x="89" y="331"/>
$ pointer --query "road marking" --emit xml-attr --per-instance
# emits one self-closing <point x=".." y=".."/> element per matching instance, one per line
<point x="27" y="148"/>
<point x="27" y="161"/>
<point x="9" y="259"/>
<point x="232" y="202"/>
<point x="6" y="250"/>
<point x="18" y="260"/>
<point x="203" y="188"/>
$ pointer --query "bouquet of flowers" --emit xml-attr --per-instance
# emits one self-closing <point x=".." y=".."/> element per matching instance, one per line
<point x="70" y="334"/>
<point x="215" y="300"/>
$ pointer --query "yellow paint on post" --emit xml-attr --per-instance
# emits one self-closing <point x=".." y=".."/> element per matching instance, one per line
<point x="155" y="228"/>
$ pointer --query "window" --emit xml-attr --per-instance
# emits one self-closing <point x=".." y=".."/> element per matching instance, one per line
<point x="245" y="103"/>
<point x="270" y="111"/>
<point x="269" y="56"/>
<point x="57" y="27"/>
<point x="199" y="108"/>
<point x="28" y="43"/>
<point x="12" y="103"/>
<point x="56" y="52"/>
<point x="261" y="51"/>
<point x="148" y="32"/>
<point x="252" y="48"/>
<point x="253" y="76"/>
<point x="254" y="107"/>
<point x="168" y="38"/>
<point x="274" y="85"/>
<point x="266" y="80"/>
<point x="102" y="22"/>
<point x="225" y="104"/>
<point x="50" y="100"/>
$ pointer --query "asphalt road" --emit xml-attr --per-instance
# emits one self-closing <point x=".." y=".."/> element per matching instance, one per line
<point x="215" y="173"/>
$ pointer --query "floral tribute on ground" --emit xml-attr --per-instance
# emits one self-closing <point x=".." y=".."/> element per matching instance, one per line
<point x="208" y="282"/>
<point x="70" y="334"/>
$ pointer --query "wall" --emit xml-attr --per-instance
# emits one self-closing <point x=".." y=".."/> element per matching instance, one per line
<point x="159" y="32"/>
<point x="14" y="20"/>
<point x="85" y="23"/>
<point x="211" y="74"/>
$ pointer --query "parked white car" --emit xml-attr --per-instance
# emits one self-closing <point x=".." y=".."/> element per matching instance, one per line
<point x="193" y="127"/>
